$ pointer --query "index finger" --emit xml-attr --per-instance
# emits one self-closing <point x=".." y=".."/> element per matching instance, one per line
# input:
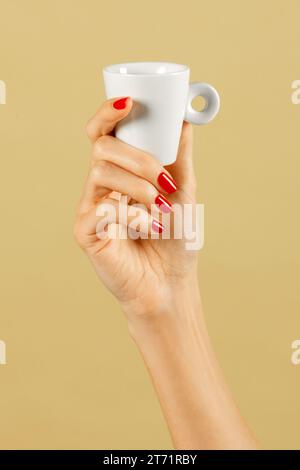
<point x="108" y="115"/>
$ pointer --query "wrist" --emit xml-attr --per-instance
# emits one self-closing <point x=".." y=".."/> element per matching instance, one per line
<point x="178" y="312"/>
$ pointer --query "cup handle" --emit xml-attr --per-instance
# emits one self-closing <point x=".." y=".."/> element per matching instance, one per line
<point x="212" y="103"/>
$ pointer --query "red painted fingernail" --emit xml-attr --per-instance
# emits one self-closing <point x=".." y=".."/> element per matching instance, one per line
<point x="121" y="103"/>
<point x="167" y="183"/>
<point x="164" y="205"/>
<point x="157" y="226"/>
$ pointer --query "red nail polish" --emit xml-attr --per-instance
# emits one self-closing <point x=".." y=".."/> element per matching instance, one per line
<point x="164" y="205"/>
<point x="167" y="183"/>
<point x="121" y="103"/>
<point x="157" y="226"/>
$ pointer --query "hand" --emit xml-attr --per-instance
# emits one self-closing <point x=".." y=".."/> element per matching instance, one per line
<point x="155" y="279"/>
<point x="145" y="275"/>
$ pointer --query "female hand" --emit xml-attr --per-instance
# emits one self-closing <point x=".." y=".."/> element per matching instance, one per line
<point x="156" y="283"/>
<point x="145" y="275"/>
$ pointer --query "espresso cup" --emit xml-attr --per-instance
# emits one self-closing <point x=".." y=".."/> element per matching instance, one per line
<point x="162" y="99"/>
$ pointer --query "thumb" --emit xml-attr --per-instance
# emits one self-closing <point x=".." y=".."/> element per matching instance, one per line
<point x="108" y="115"/>
<point x="183" y="169"/>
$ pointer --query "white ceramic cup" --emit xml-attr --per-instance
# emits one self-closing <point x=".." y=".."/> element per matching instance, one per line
<point x="162" y="99"/>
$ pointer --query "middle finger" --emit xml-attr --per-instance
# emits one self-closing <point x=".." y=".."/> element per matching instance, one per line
<point x="136" y="161"/>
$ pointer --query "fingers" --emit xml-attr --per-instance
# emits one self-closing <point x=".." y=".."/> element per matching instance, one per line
<point x="93" y="225"/>
<point x="105" y="177"/>
<point x="131" y="159"/>
<point x="107" y="147"/>
<point x="122" y="168"/>
<point x="106" y="118"/>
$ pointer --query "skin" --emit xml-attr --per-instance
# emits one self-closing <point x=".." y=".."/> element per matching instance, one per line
<point x="155" y="283"/>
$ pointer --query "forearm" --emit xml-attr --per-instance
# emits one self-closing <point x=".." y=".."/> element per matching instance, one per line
<point x="197" y="404"/>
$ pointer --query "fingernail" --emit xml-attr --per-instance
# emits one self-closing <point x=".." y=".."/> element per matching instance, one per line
<point x="167" y="183"/>
<point x="121" y="103"/>
<point x="164" y="205"/>
<point x="157" y="226"/>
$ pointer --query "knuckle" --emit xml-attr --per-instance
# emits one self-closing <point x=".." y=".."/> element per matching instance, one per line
<point x="101" y="146"/>
<point x="89" y="128"/>
<point x="100" y="170"/>
<point x="98" y="148"/>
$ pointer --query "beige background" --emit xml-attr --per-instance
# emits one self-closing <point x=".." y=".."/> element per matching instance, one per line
<point x="74" y="379"/>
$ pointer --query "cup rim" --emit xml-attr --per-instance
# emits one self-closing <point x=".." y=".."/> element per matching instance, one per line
<point x="114" y="69"/>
